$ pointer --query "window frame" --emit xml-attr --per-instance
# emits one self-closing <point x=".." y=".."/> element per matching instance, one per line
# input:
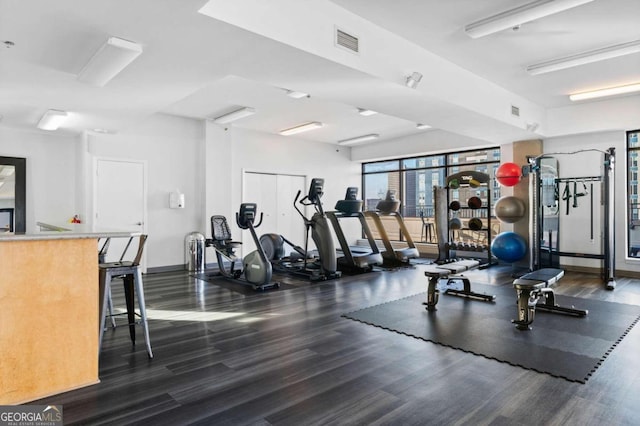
<point x="631" y="189"/>
<point x="446" y="166"/>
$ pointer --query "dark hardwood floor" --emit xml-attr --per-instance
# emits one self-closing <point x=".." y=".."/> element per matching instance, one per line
<point x="225" y="355"/>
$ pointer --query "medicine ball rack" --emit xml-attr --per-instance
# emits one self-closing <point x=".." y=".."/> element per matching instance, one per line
<point x="464" y="181"/>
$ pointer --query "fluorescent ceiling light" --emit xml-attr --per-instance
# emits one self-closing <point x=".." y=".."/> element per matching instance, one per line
<point x="611" y="91"/>
<point x="366" y="112"/>
<point x="359" y="139"/>
<point x="109" y="60"/>
<point x="301" y="128"/>
<point x="297" y="95"/>
<point x="519" y="15"/>
<point x="234" y="115"/>
<point x="52" y="119"/>
<point x="422" y="126"/>
<point x="585" y="58"/>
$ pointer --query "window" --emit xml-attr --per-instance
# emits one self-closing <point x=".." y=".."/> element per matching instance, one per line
<point x="633" y="205"/>
<point x="413" y="180"/>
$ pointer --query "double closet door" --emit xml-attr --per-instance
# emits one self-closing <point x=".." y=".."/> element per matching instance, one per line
<point x="274" y="194"/>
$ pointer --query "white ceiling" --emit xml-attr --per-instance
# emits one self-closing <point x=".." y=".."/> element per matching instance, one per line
<point x="199" y="67"/>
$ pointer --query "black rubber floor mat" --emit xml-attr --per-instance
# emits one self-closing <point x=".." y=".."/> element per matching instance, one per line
<point x="562" y="346"/>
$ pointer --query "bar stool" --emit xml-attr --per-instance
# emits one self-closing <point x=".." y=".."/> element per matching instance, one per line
<point x="132" y="280"/>
<point x="426" y="234"/>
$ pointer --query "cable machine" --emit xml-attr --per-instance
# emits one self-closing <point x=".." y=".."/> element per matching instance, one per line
<point x="551" y="196"/>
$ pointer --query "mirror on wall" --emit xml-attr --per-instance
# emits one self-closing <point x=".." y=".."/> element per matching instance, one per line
<point x="12" y="194"/>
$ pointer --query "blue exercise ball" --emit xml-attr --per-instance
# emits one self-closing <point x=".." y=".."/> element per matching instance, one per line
<point x="509" y="247"/>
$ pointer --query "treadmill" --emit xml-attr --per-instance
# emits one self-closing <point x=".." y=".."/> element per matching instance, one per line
<point x="354" y="259"/>
<point x="390" y="206"/>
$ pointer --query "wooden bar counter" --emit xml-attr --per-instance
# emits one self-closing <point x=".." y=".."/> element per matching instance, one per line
<point x="48" y="313"/>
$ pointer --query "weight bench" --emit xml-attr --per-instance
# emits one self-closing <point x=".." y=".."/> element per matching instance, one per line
<point x="451" y="271"/>
<point x="530" y="288"/>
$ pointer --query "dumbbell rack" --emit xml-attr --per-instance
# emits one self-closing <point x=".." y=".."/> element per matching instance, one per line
<point x="464" y="181"/>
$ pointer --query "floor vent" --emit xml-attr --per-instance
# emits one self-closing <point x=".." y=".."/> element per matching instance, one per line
<point x="347" y="41"/>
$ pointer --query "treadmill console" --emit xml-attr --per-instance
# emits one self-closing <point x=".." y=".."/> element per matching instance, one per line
<point x="316" y="190"/>
<point x="390" y="204"/>
<point x="350" y="204"/>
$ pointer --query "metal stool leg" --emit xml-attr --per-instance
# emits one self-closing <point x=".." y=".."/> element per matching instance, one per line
<point x="110" y="302"/>
<point x="137" y="279"/>
<point x="105" y="290"/>
<point x="127" y="282"/>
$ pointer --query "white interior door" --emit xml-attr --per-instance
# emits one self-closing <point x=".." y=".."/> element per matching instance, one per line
<point x="274" y="195"/>
<point x="120" y="201"/>
<point x="289" y="223"/>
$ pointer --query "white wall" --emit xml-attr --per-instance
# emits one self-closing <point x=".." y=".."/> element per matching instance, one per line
<point x="51" y="178"/>
<point x="261" y="152"/>
<point x="605" y="115"/>
<point x="172" y="147"/>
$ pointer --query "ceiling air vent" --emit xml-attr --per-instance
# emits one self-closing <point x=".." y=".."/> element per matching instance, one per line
<point x="515" y="111"/>
<point x="347" y="41"/>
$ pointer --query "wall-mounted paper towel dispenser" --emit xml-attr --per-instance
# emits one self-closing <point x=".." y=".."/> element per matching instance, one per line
<point x="176" y="200"/>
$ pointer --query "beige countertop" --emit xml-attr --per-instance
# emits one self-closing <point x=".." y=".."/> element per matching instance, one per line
<point x="65" y="232"/>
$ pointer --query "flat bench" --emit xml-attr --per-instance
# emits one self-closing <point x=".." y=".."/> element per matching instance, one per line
<point x="530" y="288"/>
<point x="452" y="272"/>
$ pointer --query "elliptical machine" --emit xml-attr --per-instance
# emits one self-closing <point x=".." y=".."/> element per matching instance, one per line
<point x="256" y="269"/>
<point x="316" y="269"/>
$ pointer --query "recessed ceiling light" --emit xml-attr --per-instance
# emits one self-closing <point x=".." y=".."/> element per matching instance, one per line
<point x="366" y="112"/>
<point x="422" y="126"/>
<point x="301" y="128"/>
